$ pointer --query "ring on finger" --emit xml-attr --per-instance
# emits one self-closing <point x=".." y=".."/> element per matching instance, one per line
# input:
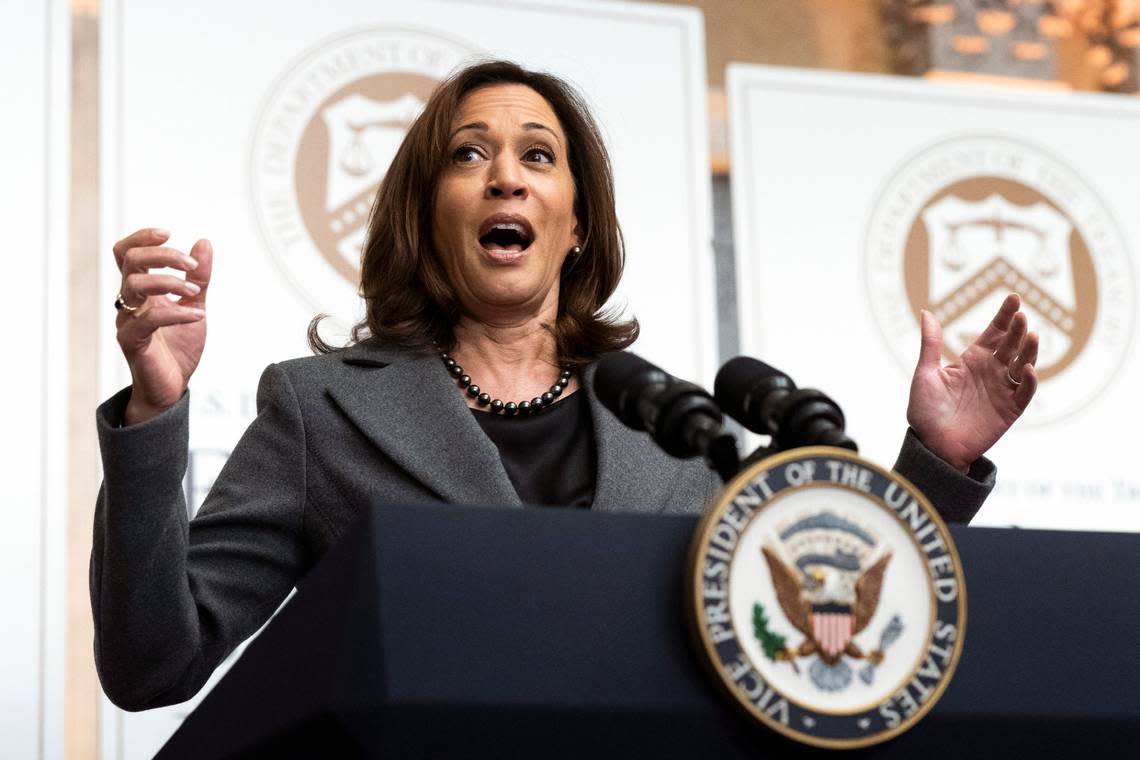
<point x="122" y="305"/>
<point x="1012" y="382"/>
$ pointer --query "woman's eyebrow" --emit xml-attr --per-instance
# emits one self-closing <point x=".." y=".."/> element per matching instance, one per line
<point x="536" y="125"/>
<point x="478" y="126"/>
<point x="481" y="126"/>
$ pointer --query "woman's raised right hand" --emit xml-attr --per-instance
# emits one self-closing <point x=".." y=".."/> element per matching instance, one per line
<point x="161" y="339"/>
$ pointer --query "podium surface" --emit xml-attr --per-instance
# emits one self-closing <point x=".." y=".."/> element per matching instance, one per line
<point x="449" y="631"/>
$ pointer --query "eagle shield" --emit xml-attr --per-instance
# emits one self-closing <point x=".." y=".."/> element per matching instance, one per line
<point x="829" y="587"/>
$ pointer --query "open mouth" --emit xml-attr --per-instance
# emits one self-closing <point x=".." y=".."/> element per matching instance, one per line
<point x="504" y="233"/>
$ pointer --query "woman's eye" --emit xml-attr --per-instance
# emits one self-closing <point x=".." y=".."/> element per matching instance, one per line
<point x="466" y="154"/>
<point x="539" y="155"/>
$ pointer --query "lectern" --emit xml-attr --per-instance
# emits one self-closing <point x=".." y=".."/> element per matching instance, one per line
<point x="463" y="632"/>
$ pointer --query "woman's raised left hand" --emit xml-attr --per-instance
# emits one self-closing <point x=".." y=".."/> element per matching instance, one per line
<point x="960" y="410"/>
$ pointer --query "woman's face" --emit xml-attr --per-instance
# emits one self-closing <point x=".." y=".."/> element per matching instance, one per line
<point x="503" y="218"/>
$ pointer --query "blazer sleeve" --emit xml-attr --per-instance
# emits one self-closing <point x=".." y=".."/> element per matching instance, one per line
<point x="171" y="597"/>
<point x="956" y="495"/>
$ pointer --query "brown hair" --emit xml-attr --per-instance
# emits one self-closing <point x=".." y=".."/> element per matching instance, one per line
<point x="411" y="303"/>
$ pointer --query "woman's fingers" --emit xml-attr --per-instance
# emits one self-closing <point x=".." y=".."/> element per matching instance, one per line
<point x="1023" y="393"/>
<point x="1010" y="344"/>
<point x="138" y="287"/>
<point x="203" y="256"/>
<point x="136" y="260"/>
<point x="137" y="329"/>
<point x="1026" y="357"/>
<point x="146" y="258"/>
<point x="148" y="236"/>
<point x="930" y="348"/>
<point x="999" y="325"/>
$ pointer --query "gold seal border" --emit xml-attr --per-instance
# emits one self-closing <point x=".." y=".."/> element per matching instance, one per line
<point x="692" y="593"/>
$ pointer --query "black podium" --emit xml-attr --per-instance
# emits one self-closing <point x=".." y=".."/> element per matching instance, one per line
<point x="456" y="632"/>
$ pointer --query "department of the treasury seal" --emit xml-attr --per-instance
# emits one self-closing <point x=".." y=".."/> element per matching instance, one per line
<point x="827" y="597"/>
<point x="965" y="221"/>
<point x="326" y="135"/>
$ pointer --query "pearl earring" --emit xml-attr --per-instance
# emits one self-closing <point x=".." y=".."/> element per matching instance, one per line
<point x="576" y="250"/>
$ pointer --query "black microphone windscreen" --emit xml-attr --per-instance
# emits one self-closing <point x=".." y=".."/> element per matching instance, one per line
<point x="618" y="373"/>
<point x="736" y="381"/>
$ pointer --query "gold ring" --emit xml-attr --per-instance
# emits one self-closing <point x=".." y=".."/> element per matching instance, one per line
<point x="122" y="305"/>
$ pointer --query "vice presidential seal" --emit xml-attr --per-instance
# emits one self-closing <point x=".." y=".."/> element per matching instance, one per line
<point x="828" y="597"/>
<point x="329" y="129"/>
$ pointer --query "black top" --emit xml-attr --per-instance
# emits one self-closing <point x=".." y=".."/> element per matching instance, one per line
<point x="550" y="457"/>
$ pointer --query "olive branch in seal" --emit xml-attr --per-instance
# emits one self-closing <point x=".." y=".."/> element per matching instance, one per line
<point x="773" y="644"/>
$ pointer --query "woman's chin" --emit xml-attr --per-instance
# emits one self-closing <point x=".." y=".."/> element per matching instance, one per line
<point x="511" y="291"/>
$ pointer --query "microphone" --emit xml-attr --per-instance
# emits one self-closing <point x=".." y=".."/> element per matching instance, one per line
<point x="766" y="401"/>
<point x="681" y="417"/>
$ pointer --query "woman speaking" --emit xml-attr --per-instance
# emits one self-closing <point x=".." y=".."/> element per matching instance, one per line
<point x="492" y="248"/>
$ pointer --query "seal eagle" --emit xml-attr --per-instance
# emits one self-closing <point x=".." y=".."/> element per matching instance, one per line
<point x="827" y="610"/>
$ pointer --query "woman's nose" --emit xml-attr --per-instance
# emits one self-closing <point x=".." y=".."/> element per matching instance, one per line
<point x="506" y="181"/>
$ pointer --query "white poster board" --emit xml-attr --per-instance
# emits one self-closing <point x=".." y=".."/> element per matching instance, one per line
<point x="207" y="121"/>
<point x="34" y="74"/>
<point x="859" y="200"/>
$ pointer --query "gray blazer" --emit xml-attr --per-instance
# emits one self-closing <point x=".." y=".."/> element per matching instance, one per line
<point x="333" y="434"/>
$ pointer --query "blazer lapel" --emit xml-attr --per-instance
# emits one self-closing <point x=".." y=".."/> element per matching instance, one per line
<point x="407" y="405"/>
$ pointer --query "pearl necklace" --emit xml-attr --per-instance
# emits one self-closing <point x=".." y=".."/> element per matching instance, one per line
<point x="522" y="408"/>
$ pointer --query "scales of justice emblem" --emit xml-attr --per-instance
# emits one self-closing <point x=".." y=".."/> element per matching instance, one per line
<point x="828" y="574"/>
<point x="323" y="142"/>
<point x="363" y="137"/>
<point x="966" y="220"/>
<point x="979" y="250"/>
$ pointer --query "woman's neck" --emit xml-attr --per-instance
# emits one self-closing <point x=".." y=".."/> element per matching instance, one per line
<point x="511" y="360"/>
